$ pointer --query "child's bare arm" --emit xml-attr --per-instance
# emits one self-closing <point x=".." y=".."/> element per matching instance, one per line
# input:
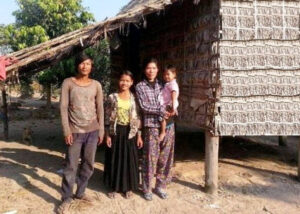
<point x="174" y="97"/>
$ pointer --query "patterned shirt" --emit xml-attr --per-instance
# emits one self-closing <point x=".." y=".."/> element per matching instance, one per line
<point x="111" y="116"/>
<point x="148" y="95"/>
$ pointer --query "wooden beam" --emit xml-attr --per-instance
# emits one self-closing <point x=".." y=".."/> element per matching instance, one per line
<point x="5" y="114"/>
<point x="299" y="160"/>
<point x="211" y="163"/>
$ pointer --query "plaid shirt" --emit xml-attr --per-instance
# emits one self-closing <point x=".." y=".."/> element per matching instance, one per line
<point x="147" y="95"/>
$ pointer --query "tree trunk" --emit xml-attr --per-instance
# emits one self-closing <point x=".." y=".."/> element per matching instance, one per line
<point x="49" y="94"/>
<point x="26" y="89"/>
<point x="211" y="163"/>
<point x="5" y="114"/>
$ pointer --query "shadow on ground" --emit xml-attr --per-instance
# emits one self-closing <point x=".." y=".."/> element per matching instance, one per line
<point x="27" y="162"/>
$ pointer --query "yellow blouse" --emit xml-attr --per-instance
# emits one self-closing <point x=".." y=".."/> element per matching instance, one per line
<point x="123" y="111"/>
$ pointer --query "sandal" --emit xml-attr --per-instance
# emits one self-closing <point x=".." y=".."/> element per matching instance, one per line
<point x="111" y="195"/>
<point x="162" y="194"/>
<point x="148" y="196"/>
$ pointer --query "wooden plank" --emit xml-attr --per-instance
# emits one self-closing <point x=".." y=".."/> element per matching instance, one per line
<point x="211" y="163"/>
<point x="5" y="114"/>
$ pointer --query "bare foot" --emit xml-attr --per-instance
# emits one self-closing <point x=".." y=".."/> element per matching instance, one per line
<point x="128" y="194"/>
<point x="65" y="205"/>
<point x="111" y="195"/>
<point x="162" y="136"/>
<point x="86" y="198"/>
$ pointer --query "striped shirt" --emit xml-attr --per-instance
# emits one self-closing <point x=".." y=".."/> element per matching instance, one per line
<point x="148" y="97"/>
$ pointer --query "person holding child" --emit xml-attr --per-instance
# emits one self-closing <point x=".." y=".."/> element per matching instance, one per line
<point x="123" y="138"/>
<point x="158" y="156"/>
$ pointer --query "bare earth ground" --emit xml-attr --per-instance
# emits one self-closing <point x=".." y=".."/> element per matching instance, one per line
<point x="255" y="175"/>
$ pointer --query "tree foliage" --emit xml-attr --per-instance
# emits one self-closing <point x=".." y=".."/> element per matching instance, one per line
<point x="4" y="46"/>
<point x="40" y="20"/>
<point x="23" y="37"/>
<point x="56" y="17"/>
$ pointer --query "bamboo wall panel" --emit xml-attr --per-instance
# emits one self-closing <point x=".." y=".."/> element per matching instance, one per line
<point x="271" y="19"/>
<point x="260" y="68"/>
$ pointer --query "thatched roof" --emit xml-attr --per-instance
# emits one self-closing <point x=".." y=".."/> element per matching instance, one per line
<point x="136" y="4"/>
<point x="39" y="57"/>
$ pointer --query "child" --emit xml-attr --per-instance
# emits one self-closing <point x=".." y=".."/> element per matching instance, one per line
<point x="169" y="96"/>
<point x="123" y="137"/>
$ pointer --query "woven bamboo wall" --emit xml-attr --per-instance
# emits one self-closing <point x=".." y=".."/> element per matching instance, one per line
<point x="186" y="35"/>
<point x="260" y="68"/>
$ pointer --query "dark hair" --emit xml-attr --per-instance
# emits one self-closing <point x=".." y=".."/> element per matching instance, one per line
<point x="171" y="68"/>
<point x="126" y="72"/>
<point x="150" y="60"/>
<point x="82" y="57"/>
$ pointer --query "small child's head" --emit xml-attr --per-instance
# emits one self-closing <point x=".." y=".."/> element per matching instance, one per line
<point x="125" y="80"/>
<point x="169" y="73"/>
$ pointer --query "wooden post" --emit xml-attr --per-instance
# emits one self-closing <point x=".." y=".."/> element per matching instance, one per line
<point x="282" y="141"/>
<point x="211" y="163"/>
<point x="299" y="160"/>
<point x="5" y="114"/>
<point x="49" y="94"/>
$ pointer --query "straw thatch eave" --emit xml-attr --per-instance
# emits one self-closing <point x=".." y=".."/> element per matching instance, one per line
<point x="44" y="55"/>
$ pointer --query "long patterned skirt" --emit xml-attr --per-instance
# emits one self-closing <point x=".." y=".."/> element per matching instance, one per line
<point x="158" y="157"/>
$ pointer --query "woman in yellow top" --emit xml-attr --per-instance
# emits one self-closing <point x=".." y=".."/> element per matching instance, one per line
<point x="123" y="137"/>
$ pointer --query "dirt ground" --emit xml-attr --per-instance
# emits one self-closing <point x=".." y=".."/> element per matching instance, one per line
<point x="255" y="174"/>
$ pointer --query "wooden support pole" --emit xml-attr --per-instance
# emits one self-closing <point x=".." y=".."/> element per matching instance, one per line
<point x="282" y="141"/>
<point x="299" y="160"/>
<point x="48" y="94"/>
<point x="5" y="114"/>
<point x="211" y="163"/>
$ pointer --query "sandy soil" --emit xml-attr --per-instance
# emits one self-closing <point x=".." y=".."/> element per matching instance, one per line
<point x="255" y="175"/>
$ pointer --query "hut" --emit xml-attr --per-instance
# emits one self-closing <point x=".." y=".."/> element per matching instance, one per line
<point x="239" y="66"/>
<point x="238" y="62"/>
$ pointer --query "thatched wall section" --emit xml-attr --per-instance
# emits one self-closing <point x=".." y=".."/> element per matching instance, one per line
<point x="260" y="68"/>
<point x="185" y="35"/>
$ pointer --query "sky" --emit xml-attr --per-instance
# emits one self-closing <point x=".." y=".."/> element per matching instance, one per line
<point x="100" y="8"/>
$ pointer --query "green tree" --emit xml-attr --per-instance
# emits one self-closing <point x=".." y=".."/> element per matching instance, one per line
<point x="3" y="39"/>
<point x="40" y="20"/>
<point x="4" y="47"/>
<point x="24" y="36"/>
